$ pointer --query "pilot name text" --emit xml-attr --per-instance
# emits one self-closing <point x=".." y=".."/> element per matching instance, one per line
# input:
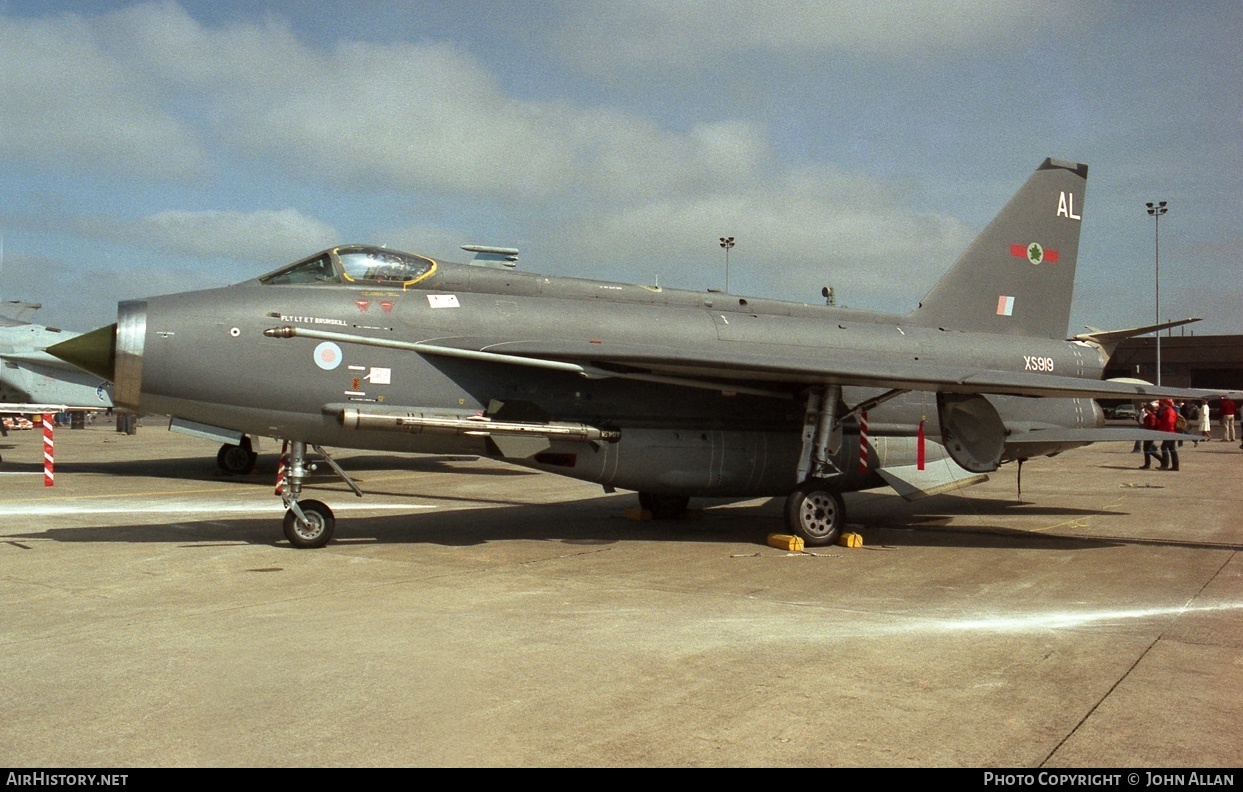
<point x="312" y="320"/>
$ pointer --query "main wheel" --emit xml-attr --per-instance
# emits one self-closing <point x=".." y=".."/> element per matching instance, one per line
<point x="664" y="507"/>
<point x="317" y="529"/>
<point x="236" y="459"/>
<point x="815" y="513"/>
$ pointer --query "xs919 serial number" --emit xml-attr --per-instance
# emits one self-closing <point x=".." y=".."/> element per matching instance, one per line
<point x="1036" y="363"/>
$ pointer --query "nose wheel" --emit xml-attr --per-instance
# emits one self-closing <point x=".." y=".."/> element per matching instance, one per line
<point x="309" y="524"/>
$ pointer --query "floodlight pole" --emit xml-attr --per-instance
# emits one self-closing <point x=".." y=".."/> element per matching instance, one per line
<point x="727" y="243"/>
<point x="1156" y="210"/>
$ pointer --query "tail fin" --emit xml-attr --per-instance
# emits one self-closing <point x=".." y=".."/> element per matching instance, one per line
<point x="1018" y="275"/>
<point x="17" y="312"/>
<point x="1108" y="340"/>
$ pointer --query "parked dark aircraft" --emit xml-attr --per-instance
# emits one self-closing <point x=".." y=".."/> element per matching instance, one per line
<point x="674" y="394"/>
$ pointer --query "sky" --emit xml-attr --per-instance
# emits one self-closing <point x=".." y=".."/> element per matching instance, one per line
<point x="157" y="147"/>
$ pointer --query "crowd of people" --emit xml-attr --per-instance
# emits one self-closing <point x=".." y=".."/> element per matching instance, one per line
<point x="1186" y="419"/>
<point x="25" y="422"/>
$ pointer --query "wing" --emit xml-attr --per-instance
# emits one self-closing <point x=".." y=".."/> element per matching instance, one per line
<point x="720" y="368"/>
<point x="748" y="371"/>
<point x="1103" y="435"/>
<point x="17" y="312"/>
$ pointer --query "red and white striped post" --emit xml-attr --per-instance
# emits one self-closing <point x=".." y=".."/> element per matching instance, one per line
<point x="280" y="466"/>
<point x="863" y="442"/>
<point x="48" y="446"/>
<point x="919" y="447"/>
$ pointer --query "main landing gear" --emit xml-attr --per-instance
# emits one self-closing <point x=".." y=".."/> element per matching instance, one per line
<point x="237" y="459"/>
<point x="664" y="507"/>
<point x="308" y="523"/>
<point x="816" y="513"/>
<point x="814" y="510"/>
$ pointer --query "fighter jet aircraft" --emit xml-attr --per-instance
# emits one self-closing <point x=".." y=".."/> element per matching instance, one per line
<point x="674" y="394"/>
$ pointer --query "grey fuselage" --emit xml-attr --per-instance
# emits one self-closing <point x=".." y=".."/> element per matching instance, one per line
<point x="204" y="357"/>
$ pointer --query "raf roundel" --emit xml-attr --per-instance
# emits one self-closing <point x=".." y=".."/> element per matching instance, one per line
<point x="328" y="356"/>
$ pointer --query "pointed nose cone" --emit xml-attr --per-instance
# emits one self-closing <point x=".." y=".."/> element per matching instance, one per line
<point x="95" y="352"/>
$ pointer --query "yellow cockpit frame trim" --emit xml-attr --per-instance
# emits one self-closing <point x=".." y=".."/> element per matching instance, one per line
<point x="404" y="284"/>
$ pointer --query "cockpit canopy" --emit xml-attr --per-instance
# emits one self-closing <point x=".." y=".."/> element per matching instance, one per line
<point x="354" y="264"/>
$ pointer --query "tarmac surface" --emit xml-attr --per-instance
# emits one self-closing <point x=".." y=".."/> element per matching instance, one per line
<point x="474" y="614"/>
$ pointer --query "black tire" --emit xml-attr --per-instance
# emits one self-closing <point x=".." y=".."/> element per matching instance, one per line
<point x="664" y="507"/>
<point x="236" y="460"/>
<point x="317" y="532"/>
<point x="816" y="514"/>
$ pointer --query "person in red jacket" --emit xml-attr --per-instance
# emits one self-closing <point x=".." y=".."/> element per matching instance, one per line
<point x="1149" y="421"/>
<point x="1167" y="421"/>
<point x="1227" y="418"/>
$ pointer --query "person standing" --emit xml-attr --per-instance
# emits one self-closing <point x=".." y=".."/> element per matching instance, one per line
<point x="1206" y="428"/>
<point x="1167" y="421"/>
<point x="1227" y="407"/>
<point x="1149" y="421"/>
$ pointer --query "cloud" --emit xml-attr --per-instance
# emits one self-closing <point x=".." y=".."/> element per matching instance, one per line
<point x="153" y="89"/>
<point x="649" y="35"/>
<point x="274" y="236"/>
<point x="431" y="118"/>
<point x="793" y="236"/>
<point x="81" y="296"/>
<point x="426" y="117"/>
<point x="66" y="100"/>
<point x="609" y="187"/>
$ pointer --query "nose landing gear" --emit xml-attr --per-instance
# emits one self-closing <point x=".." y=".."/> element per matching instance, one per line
<point x="308" y="523"/>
